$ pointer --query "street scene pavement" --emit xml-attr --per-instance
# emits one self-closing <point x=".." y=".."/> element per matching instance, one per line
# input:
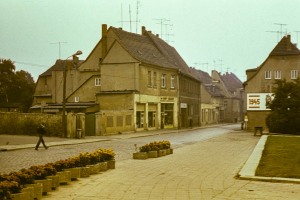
<point x="203" y="166"/>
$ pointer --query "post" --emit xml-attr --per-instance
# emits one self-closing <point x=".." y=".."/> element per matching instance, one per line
<point x="64" y="117"/>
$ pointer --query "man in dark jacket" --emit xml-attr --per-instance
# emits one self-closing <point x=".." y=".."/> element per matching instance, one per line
<point x="41" y="132"/>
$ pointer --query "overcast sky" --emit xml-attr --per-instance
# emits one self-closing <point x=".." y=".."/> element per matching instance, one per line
<point x="229" y="35"/>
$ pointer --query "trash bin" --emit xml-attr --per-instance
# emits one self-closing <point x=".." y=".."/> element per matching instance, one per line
<point x="78" y="133"/>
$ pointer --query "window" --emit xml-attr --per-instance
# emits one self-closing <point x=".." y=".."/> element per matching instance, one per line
<point x="294" y="74"/>
<point x="154" y="80"/>
<point x="97" y="81"/>
<point x="76" y="99"/>
<point x="268" y="75"/>
<point x="172" y="81"/>
<point x="163" y="81"/>
<point x="277" y="74"/>
<point x="149" y="79"/>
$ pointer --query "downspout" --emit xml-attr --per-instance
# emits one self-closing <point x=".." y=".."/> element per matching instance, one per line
<point x="179" y="101"/>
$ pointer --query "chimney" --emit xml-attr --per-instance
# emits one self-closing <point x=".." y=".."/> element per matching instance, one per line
<point x="104" y="39"/>
<point x="143" y="30"/>
<point x="288" y="43"/>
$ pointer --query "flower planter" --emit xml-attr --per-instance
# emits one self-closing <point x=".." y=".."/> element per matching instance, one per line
<point x="171" y="151"/>
<point x="152" y="154"/>
<point x="30" y="192"/>
<point x="140" y="155"/>
<point x="37" y="190"/>
<point x="103" y="166"/>
<point x="111" y="164"/>
<point x="75" y="172"/>
<point x="47" y="185"/>
<point x="161" y="153"/>
<point x="94" y="169"/>
<point x="168" y="151"/>
<point x="20" y="196"/>
<point x="55" y="181"/>
<point x="84" y="172"/>
<point x="64" y="177"/>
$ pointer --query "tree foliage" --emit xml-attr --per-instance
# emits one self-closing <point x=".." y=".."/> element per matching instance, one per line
<point x="16" y="87"/>
<point x="285" y="115"/>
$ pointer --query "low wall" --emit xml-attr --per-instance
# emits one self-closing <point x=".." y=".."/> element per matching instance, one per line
<point x="26" y="123"/>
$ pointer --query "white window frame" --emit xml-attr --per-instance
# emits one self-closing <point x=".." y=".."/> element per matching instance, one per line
<point x="163" y="81"/>
<point x="172" y="81"/>
<point x="76" y="99"/>
<point x="154" y="79"/>
<point x="294" y="74"/>
<point x="149" y="79"/>
<point x="277" y="74"/>
<point x="97" y="81"/>
<point x="268" y="74"/>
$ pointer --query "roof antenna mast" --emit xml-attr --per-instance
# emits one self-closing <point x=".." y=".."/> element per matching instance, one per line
<point x="59" y="44"/>
<point x="279" y="24"/>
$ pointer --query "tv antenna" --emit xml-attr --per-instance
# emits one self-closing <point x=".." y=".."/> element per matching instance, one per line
<point x="275" y="32"/>
<point x="297" y="32"/>
<point x="281" y="25"/>
<point x="59" y="47"/>
<point x="203" y="64"/>
<point x="130" y="20"/>
<point x="137" y="15"/>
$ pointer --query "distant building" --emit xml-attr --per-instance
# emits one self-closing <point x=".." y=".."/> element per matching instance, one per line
<point x="282" y="63"/>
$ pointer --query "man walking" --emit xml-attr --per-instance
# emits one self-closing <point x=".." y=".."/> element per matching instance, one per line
<point x="41" y="132"/>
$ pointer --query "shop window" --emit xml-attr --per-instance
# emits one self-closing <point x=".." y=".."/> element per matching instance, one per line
<point x="151" y="119"/>
<point x="140" y="119"/>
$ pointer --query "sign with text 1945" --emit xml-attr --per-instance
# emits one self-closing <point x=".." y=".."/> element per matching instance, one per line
<point x="259" y="101"/>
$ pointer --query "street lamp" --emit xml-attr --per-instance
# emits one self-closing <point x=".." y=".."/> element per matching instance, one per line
<point x="64" y="118"/>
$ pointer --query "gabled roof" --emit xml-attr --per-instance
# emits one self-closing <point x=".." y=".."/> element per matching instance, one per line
<point x="285" y="47"/>
<point x="150" y="49"/>
<point x="59" y="66"/>
<point x="231" y="81"/>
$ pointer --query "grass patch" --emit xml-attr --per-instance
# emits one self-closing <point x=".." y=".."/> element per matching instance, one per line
<point x="280" y="158"/>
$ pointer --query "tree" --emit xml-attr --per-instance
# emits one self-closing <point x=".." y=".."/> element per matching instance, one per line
<point x="15" y="87"/>
<point x="285" y="115"/>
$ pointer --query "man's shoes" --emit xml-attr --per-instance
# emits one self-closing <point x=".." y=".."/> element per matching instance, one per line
<point x="46" y="148"/>
<point x="36" y="149"/>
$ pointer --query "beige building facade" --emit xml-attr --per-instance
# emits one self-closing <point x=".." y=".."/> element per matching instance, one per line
<point x="282" y="63"/>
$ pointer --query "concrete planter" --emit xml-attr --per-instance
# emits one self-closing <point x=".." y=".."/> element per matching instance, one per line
<point x="20" y="196"/>
<point x="75" y="172"/>
<point x="140" y="155"/>
<point x="47" y="185"/>
<point x="161" y="153"/>
<point x="94" y="169"/>
<point x="37" y="190"/>
<point x="64" y="177"/>
<point x="103" y="166"/>
<point x="84" y="172"/>
<point x="111" y="164"/>
<point x="55" y="181"/>
<point x="30" y="192"/>
<point x="152" y="154"/>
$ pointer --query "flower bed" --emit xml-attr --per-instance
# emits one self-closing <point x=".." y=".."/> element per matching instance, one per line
<point x="14" y="182"/>
<point x="153" y="150"/>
